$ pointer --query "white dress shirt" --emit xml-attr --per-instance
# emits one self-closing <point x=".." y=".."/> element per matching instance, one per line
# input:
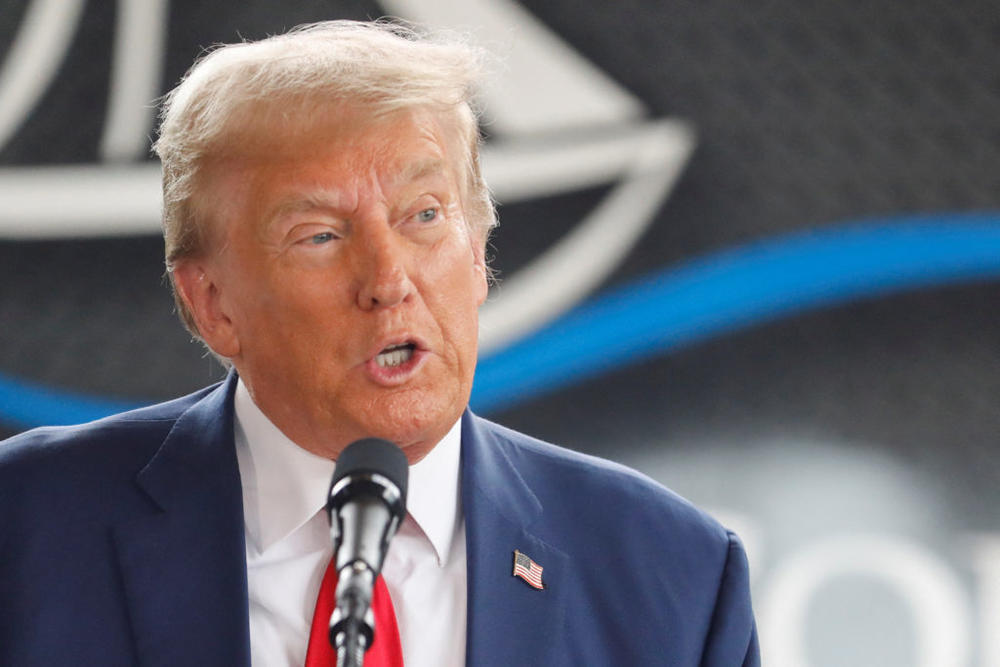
<point x="288" y="546"/>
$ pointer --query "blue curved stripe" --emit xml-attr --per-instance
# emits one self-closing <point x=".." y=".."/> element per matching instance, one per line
<point x="700" y="299"/>
<point x="26" y="404"/>
<point x="737" y="288"/>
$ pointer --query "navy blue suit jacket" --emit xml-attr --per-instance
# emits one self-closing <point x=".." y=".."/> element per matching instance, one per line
<point x="121" y="543"/>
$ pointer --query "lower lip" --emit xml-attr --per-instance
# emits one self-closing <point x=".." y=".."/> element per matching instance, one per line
<point x="393" y="376"/>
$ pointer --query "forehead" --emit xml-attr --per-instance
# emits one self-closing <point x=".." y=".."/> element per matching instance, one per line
<point x="301" y="128"/>
<point x="336" y="147"/>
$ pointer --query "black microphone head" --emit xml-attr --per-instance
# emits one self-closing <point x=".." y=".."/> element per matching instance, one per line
<point x="372" y="456"/>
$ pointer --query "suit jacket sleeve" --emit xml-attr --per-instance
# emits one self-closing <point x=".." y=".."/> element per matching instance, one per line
<point x="634" y="574"/>
<point x="732" y="638"/>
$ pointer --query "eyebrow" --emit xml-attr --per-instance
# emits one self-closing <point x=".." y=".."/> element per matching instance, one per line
<point x="306" y="203"/>
<point x="300" y="204"/>
<point x="421" y="169"/>
<point x="323" y="201"/>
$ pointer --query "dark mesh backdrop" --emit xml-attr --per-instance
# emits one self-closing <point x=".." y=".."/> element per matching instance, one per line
<point x="808" y="114"/>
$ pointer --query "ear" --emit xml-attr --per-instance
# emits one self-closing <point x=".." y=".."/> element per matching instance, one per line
<point x="201" y="293"/>
<point x="481" y="273"/>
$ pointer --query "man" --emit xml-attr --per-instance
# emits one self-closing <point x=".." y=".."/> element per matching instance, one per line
<point x="325" y="224"/>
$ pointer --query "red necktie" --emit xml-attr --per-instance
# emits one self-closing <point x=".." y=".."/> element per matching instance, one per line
<point x="385" y="650"/>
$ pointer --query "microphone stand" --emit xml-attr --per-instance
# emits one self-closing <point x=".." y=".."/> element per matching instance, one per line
<point x="347" y="657"/>
<point x="366" y="503"/>
<point x="351" y="651"/>
<point x="352" y="624"/>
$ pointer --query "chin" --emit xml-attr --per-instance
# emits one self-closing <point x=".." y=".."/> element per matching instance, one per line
<point x="409" y="422"/>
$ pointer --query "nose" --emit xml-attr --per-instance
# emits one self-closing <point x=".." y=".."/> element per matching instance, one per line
<point x="384" y="279"/>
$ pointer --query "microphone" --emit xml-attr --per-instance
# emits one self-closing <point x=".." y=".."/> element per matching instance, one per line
<point x="366" y="504"/>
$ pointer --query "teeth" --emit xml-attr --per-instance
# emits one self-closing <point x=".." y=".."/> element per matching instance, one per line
<point x="394" y="356"/>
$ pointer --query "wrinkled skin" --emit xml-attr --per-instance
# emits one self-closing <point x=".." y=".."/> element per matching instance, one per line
<point x="332" y="242"/>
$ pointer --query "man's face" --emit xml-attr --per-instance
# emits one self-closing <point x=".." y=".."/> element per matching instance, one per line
<point x="345" y="285"/>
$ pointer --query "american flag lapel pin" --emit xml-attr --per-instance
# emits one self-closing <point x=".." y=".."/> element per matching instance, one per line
<point x="528" y="570"/>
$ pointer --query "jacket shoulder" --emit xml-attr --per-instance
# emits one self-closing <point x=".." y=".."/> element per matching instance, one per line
<point x="663" y="577"/>
<point x="54" y="453"/>
<point x="556" y="474"/>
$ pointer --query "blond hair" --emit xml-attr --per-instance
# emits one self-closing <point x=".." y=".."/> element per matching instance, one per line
<point x="383" y="66"/>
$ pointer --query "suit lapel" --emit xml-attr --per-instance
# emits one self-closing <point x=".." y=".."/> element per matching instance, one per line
<point x="184" y="567"/>
<point x="508" y="620"/>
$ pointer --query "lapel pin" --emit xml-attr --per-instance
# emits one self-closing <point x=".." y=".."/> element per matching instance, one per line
<point x="528" y="570"/>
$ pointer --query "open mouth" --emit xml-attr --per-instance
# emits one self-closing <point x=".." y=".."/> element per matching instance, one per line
<point x="395" y="355"/>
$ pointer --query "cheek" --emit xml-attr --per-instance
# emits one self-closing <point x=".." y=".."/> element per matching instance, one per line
<point x="272" y="313"/>
<point x="468" y="292"/>
<point x="452" y="293"/>
<point x="251" y="302"/>
<point x="465" y="279"/>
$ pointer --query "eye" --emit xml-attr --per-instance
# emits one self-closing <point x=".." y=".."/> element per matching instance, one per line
<point x="427" y="215"/>
<point x="321" y="238"/>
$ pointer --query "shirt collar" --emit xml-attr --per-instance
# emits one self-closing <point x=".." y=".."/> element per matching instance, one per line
<point x="433" y="500"/>
<point x="284" y="485"/>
